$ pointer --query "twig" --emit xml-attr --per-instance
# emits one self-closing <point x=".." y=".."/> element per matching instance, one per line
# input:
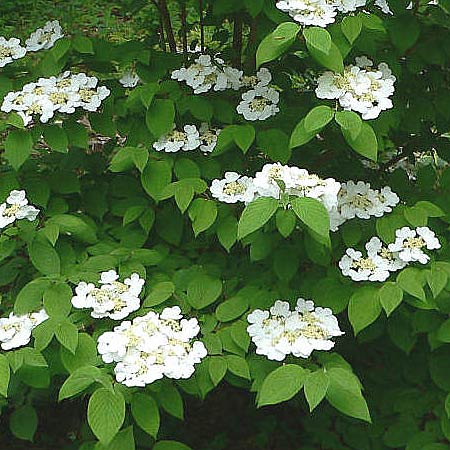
<point x="202" y="26"/>
<point x="162" y="40"/>
<point x="164" y="12"/>
<point x="183" y="18"/>
<point x="237" y="41"/>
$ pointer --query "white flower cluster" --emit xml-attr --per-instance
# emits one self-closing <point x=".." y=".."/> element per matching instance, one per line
<point x="16" y="207"/>
<point x="42" y="38"/>
<point x="360" y="88"/>
<point x="153" y="346"/>
<point x="318" y="12"/>
<point x="360" y="200"/>
<point x="129" y="79"/>
<point x="189" y="139"/>
<point x="382" y="260"/>
<point x="63" y="93"/>
<point x="210" y="73"/>
<point x="280" y="332"/>
<point x="272" y="181"/>
<point x="15" y="331"/>
<point x="112" y="299"/>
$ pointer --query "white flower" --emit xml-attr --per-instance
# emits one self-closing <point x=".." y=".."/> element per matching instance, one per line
<point x="186" y="140"/>
<point x="377" y="251"/>
<point x="233" y="188"/>
<point x="15" y="331"/>
<point x="153" y="346"/>
<point x="273" y="179"/>
<point x="383" y="5"/>
<point x="358" y="268"/>
<point x="112" y="299"/>
<point x="280" y="331"/>
<point x="360" y="88"/>
<point x="15" y="208"/>
<point x="259" y="103"/>
<point x="129" y="79"/>
<point x="309" y="12"/>
<point x="409" y="244"/>
<point x="44" y="38"/>
<point x="10" y="49"/>
<point x="208" y="138"/>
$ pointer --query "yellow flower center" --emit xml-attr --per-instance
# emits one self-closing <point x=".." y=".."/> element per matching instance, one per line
<point x="234" y="188"/>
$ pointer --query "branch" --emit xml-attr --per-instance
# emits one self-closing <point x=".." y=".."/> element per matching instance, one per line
<point x="165" y="15"/>
<point x="183" y="18"/>
<point x="237" y="41"/>
<point x="202" y="26"/>
<point x="162" y="41"/>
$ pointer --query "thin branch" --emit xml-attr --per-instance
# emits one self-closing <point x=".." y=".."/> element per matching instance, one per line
<point x="162" y="40"/>
<point x="202" y="26"/>
<point x="237" y="41"/>
<point x="251" y="45"/>
<point x="183" y="18"/>
<point x="164" y="12"/>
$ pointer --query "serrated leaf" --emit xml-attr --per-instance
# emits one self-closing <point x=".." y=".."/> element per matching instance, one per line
<point x="318" y="118"/>
<point x="146" y="413"/>
<point x="364" y="308"/>
<point x="391" y="295"/>
<point x="313" y="214"/>
<point x="256" y="214"/>
<point x="315" y="387"/>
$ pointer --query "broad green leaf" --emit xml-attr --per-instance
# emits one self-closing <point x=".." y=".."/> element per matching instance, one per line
<point x="344" y="394"/>
<point x="238" y="366"/>
<point x="231" y="309"/>
<point x="364" y="308"/>
<point x="18" y="146"/>
<point x="300" y="136"/>
<point x="365" y="143"/>
<point x="217" y="368"/>
<point x="171" y="400"/>
<point x="351" y="26"/>
<point x="286" y="221"/>
<point x="313" y="214"/>
<point x="159" y="293"/>
<point x="30" y="296"/>
<point x="44" y="257"/>
<point x="82" y="44"/>
<point x="75" y="227"/>
<point x="170" y="445"/>
<point x="124" y="440"/>
<point x="281" y="385"/>
<point x="275" y="144"/>
<point x="332" y="59"/>
<point x="4" y="375"/>
<point x="437" y="279"/>
<point x="318" y="38"/>
<point x="203" y="290"/>
<point x="350" y="122"/>
<point x="56" y="138"/>
<point x="23" y="423"/>
<point x="203" y="214"/>
<point x="404" y="32"/>
<point x="85" y="354"/>
<point x="315" y="387"/>
<point x="105" y="414"/>
<point x="57" y="300"/>
<point x="78" y="381"/>
<point x="227" y="231"/>
<point x="277" y="42"/>
<point x="256" y="214"/>
<point x="160" y="117"/>
<point x="410" y="281"/>
<point x="67" y="335"/>
<point x="146" y="413"/>
<point x="155" y="177"/>
<point x="391" y="295"/>
<point x="318" y="118"/>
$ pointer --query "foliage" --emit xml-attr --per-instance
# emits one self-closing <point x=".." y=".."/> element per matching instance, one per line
<point x="110" y="199"/>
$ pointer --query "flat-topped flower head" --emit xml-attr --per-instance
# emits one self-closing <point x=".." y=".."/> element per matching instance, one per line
<point x="359" y="268"/>
<point x="208" y="137"/>
<point x="309" y="12"/>
<point x="129" y="79"/>
<point x="152" y="347"/>
<point x="15" y="208"/>
<point x="280" y="332"/>
<point x="15" y="331"/>
<point x="44" y="38"/>
<point x="259" y="103"/>
<point x="410" y="244"/>
<point x="186" y="140"/>
<point x="379" y="252"/>
<point x="10" y="49"/>
<point x="112" y="299"/>
<point x="233" y="188"/>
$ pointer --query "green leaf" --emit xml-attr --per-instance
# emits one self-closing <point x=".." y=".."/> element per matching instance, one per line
<point x="160" y="117"/>
<point x="159" y="293"/>
<point x="227" y="232"/>
<point x="300" y="136"/>
<point x="105" y="414"/>
<point x="170" y="445"/>
<point x="78" y="381"/>
<point x="82" y="44"/>
<point x="171" y="400"/>
<point x="276" y="43"/>
<point x="56" y="138"/>
<point x="231" y="309"/>
<point x="43" y="256"/>
<point x="331" y="59"/>
<point x="316" y="386"/>
<point x="350" y="122"/>
<point x="243" y="135"/>
<point x="351" y="26"/>
<point x="443" y="332"/>
<point x="203" y="290"/>
<point x="391" y="295"/>
<point x="23" y="423"/>
<point x="75" y="227"/>
<point x="313" y="214"/>
<point x="364" y="308"/>
<point x="30" y="296"/>
<point x="146" y="413"/>
<point x="344" y="393"/>
<point x="318" y="118"/>
<point x="286" y="221"/>
<point x="85" y="354"/>
<point x="4" y="375"/>
<point x="217" y="369"/>
<point x="124" y="440"/>
<point x="318" y="38"/>
<point x="411" y="282"/>
<point x="275" y="144"/>
<point x="238" y="366"/>
<point x="57" y="300"/>
<point x="67" y="335"/>
<point x="155" y="177"/>
<point x="281" y="385"/>
<point x="18" y="146"/>
<point x="256" y="214"/>
<point x="437" y="279"/>
<point x="404" y="31"/>
<point x="365" y="143"/>
<point x="203" y="214"/>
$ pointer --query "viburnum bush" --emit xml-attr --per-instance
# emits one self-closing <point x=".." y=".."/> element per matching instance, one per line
<point x="257" y="195"/>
